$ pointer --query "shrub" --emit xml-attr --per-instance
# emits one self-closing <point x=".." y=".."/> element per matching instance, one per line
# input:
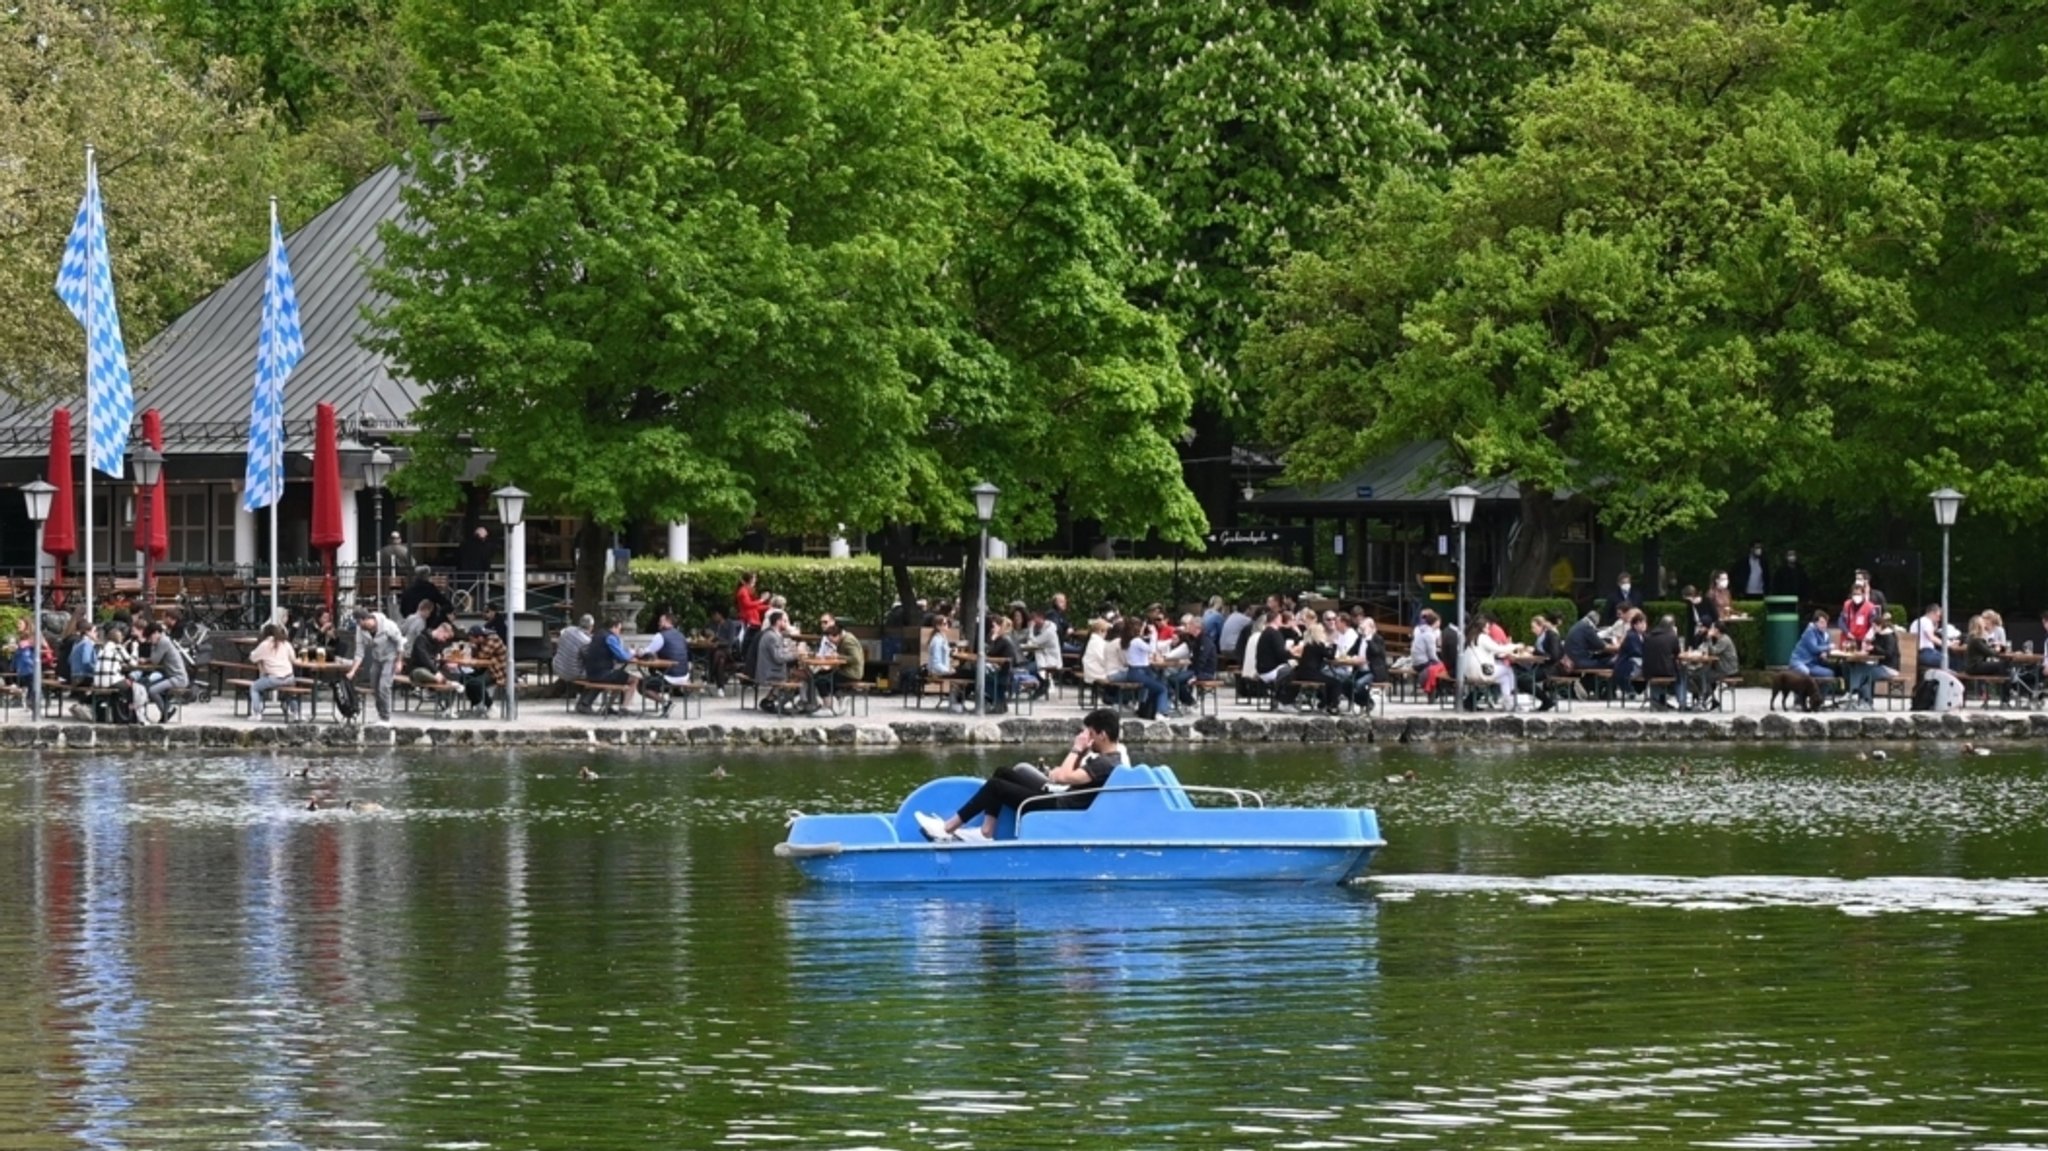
<point x="1514" y="613"/>
<point x="9" y="616"/>
<point x="861" y="590"/>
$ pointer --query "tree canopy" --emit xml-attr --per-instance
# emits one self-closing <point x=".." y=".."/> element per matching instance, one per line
<point x="1678" y="277"/>
<point x="769" y="259"/>
<point x="179" y="161"/>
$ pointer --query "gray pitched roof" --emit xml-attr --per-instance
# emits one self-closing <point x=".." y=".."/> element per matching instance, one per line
<point x="199" y="372"/>
<point x="1412" y="476"/>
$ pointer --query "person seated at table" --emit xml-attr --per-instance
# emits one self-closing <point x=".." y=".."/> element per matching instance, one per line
<point x="568" y="662"/>
<point x="1181" y="660"/>
<point x="606" y="661"/>
<point x="1628" y="661"/>
<point x="1549" y="652"/>
<point x="1930" y="638"/>
<point x="1094" y="754"/>
<point x="1994" y="630"/>
<point x="938" y="654"/>
<point x="775" y="656"/>
<point x="421" y="590"/>
<point x="274" y="659"/>
<point x="727" y="637"/>
<point x="1425" y="652"/>
<point x="1312" y="672"/>
<point x="1660" y="661"/>
<point x="1884" y="650"/>
<point x="1700" y="611"/>
<point x="316" y="633"/>
<point x="427" y="665"/>
<point x="1487" y="665"/>
<point x="1720" y="662"/>
<point x="1984" y="655"/>
<point x="1041" y="645"/>
<point x="672" y="647"/>
<point x="1103" y="657"/>
<point x="1374" y="673"/>
<point x="80" y="662"/>
<point x="1584" y="646"/>
<point x="853" y="660"/>
<point x="1809" y="655"/>
<point x="169" y="670"/>
<point x="1138" y="644"/>
<point x="1273" y="660"/>
<point x="1006" y="664"/>
<point x="113" y="662"/>
<point x="486" y="647"/>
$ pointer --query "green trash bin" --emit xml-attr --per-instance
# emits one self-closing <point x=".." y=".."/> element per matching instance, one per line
<point x="1781" y="628"/>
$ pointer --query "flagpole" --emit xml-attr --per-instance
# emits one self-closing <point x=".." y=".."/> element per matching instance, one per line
<point x="89" y="180"/>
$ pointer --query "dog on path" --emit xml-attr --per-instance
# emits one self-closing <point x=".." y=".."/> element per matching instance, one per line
<point x="1797" y="688"/>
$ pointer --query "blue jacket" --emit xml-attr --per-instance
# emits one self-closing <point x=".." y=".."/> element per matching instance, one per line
<point x="1808" y="652"/>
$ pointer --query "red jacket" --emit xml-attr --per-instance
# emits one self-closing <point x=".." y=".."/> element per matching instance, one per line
<point x="749" y="605"/>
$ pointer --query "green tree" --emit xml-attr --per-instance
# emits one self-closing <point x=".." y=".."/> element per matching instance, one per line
<point x="766" y="260"/>
<point x="179" y="162"/>
<point x="1663" y="289"/>
<point x="1243" y="120"/>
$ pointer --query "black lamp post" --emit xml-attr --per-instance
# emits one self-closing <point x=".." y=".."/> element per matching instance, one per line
<point x="1947" y="502"/>
<point x="1464" y="501"/>
<point x="376" y="470"/>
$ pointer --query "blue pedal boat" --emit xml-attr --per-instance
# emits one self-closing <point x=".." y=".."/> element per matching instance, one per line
<point x="1143" y="826"/>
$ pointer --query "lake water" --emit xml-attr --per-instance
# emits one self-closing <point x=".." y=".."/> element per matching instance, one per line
<point x="1760" y="948"/>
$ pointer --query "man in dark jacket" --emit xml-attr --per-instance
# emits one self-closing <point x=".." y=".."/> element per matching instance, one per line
<point x="1660" y="661"/>
<point x="422" y="589"/>
<point x="1584" y="647"/>
<point x="1790" y="579"/>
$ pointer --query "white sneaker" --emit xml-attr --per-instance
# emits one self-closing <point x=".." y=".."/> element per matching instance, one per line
<point x="970" y="835"/>
<point x="79" y="712"/>
<point x="933" y="827"/>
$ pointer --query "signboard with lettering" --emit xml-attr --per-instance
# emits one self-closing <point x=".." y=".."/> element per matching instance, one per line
<point x="1227" y="539"/>
<point x="1365" y="491"/>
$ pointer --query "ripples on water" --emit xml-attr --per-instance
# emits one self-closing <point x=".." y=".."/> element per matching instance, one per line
<point x="1565" y="947"/>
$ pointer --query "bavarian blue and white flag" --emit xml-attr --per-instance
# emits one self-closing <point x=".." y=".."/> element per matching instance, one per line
<point x="278" y="347"/>
<point x="85" y="283"/>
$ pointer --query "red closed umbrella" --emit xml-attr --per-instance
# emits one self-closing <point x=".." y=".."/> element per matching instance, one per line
<point x="60" y="532"/>
<point x="327" y="533"/>
<point x="156" y="542"/>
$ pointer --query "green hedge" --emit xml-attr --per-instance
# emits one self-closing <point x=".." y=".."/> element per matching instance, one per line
<point x="8" y="617"/>
<point x="860" y="590"/>
<point x="1514" y="613"/>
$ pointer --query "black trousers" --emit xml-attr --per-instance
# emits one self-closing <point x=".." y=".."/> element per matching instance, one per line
<point x="1008" y="787"/>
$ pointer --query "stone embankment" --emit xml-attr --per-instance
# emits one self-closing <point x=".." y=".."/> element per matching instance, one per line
<point x="1616" y="728"/>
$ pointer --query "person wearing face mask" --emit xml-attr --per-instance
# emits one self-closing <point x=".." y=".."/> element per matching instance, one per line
<point x="1718" y="595"/>
<point x="1626" y="597"/>
<point x="1859" y="618"/>
<point x="1752" y="573"/>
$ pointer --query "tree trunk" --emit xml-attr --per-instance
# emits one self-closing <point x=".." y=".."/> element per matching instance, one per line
<point x="1543" y="521"/>
<point x="896" y="553"/>
<point x="592" y="540"/>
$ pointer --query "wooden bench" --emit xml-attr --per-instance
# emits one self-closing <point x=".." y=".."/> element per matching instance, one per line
<point x="858" y="694"/>
<point x="613" y="696"/>
<point x="690" y="695"/>
<point x="1981" y="686"/>
<point x="1208" y="696"/>
<point x="241" y="687"/>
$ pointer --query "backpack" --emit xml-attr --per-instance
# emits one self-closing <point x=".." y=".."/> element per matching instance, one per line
<point x="346" y="703"/>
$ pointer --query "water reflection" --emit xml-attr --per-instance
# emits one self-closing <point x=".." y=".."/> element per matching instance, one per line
<point x="99" y="996"/>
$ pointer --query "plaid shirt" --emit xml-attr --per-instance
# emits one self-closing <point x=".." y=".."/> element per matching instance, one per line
<point x="490" y="650"/>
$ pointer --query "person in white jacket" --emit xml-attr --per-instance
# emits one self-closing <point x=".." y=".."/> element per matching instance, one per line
<point x="1485" y="658"/>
